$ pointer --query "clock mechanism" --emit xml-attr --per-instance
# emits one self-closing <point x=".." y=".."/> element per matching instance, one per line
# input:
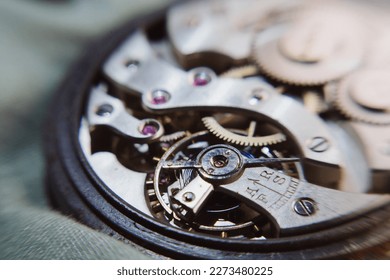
<point x="234" y="129"/>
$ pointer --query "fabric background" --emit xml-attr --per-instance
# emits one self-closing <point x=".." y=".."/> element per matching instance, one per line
<point x="39" y="40"/>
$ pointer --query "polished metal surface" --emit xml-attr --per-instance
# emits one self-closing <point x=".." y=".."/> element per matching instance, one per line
<point x="105" y="110"/>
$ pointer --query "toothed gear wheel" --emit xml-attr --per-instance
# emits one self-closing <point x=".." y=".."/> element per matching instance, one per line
<point x="364" y="96"/>
<point x="317" y="47"/>
<point x="231" y="137"/>
<point x="173" y="137"/>
<point x="222" y="215"/>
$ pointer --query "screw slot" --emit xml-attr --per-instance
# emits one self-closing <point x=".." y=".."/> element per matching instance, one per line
<point x="304" y="207"/>
<point x="319" y="144"/>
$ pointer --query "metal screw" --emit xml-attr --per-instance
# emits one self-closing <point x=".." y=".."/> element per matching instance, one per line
<point x="304" y="207"/>
<point x="319" y="144"/>
<point x="188" y="196"/>
<point x="104" y="110"/>
<point x="258" y="95"/>
<point x="210" y="170"/>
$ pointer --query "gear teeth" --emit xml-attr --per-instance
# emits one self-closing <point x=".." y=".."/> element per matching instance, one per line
<point x="339" y="96"/>
<point x="173" y="137"/>
<point x="270" y="73"/>
<point x="274" y="64"/>
<point x="226" y="135"/>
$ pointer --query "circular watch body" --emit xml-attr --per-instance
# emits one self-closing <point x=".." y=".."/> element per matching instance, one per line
<point x="217" y="130"/>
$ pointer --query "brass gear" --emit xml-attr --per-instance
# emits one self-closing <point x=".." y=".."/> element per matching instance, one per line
<point x="173" y="136"/>
<point x="363" y="96"/>
<point x="231" y="137"/>
<point x="319" y="46"/>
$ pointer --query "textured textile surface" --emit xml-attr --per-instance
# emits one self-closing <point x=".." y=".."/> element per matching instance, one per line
<point x="39" y="40"/>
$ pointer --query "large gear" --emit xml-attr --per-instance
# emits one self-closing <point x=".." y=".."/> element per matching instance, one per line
<point x="317" y="47"/>
<point x="173" y="136"/>
<point x="243" y="140"/>
<point x="364" y="96"/>
<point x="222" y="215"/>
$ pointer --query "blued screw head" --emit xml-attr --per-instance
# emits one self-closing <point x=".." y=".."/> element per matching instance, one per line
<point x="304" y="207"/>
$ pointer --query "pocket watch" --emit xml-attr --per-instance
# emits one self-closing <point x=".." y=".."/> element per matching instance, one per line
<point x="232" y="129"/>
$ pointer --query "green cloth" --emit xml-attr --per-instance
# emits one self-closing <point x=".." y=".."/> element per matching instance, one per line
<point x="39" y="41"/>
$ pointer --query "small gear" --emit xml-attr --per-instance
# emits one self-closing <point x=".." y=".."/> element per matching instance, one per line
<point x="364" y="96"/>
<point x="173" y="137"/>
<point x="317" y="47"/>
<point x="227" y="135"/>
